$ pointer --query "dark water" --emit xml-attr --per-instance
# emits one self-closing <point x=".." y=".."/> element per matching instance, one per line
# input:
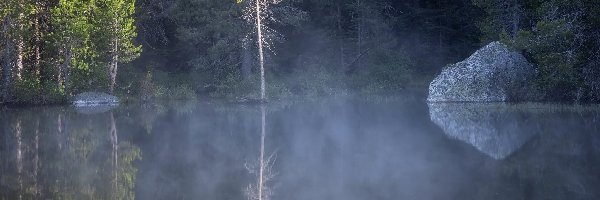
<point x="336" y="149"/>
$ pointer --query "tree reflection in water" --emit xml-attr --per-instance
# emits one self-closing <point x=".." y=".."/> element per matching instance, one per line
<point x="262" y="168"/>
<point x="335" y="149"/>
<point x="56" y="153"/>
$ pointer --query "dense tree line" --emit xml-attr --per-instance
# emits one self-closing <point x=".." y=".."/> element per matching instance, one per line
<point x="561" y="37"/>
<point x="54" y="48"/>
<point x="315" y="47"/>
<point x="318" y="47"/>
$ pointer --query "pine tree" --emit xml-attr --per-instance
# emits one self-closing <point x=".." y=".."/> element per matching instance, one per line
<point x="503" y="16"/>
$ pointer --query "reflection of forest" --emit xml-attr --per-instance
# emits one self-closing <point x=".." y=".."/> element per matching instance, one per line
<point x="325" y="150"/>
<point x="55" y="153"/>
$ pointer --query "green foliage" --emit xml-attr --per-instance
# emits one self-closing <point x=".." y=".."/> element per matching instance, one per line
<point x="153" y="85"/>
<point x="552" y="47"/>
<point x="330" y="48"/>
<point x="180" y="92"/>
<point x="76" y="42"/>
<point x="76" y="31"/>
<point x="115" y="21"/>
<point x="173" y="86"/>
<point x="83" y="79"/>
<point x="27" y="90"/>
<point x="234" y="87"/>
<point x="554" y="35"/>
<point x="147" y="90"/>
<point x="391" y="72"/>
<point x="316" y="81"/>
<point x="30" y="90"/>
<point x="502" y="17"/>
<point x="210" y="35"/>
<point x="126" y="169"/>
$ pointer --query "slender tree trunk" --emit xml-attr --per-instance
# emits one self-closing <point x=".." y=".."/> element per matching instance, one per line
<point x="19" y="53"/>
<point x="114" y="140"/>
<point x="37" y="41"/>
<point x="64" y="71"/>
<point x="340" y="34"/>
<point x="8" y="60"/>
<point x="114" y="62"/>
<point x="19" y="160"/>
<point x="5" y="128"/>
<point x="261" y="57"/>
<point x="19" y="136"/>
<point x="20" y="47"/>
<point x="440" y="35"/>
<point x="36" y="158"/>
<point x="37" y="50"/>
<point x="358" y="24"/>
<point x="246" y="59"/>
<point x="359" y="32"/>
<point x="61" y="128"/>
<point x="515" y="20"/>
<point x="262" y="164"/>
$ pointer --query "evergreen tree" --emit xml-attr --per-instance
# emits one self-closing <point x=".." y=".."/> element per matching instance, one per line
<point x="503" y="16"/>
<point x="209" y="35"/>
<point x="558" y="36"/>
<point x="555" y="45"/>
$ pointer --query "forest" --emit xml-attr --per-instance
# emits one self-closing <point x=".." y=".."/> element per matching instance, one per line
<point x="145" y="50"/>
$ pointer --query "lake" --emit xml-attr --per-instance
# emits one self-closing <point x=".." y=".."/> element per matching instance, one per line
<point x="336" y="149"/>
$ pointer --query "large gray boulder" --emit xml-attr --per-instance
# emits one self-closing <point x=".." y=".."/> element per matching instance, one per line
<point x="95" y="99"/>
<point x="492" y="74"/>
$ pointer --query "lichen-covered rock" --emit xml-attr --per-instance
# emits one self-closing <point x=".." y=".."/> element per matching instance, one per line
<point x="496" y="129"/>
<point x="95" y="99"/>
<point x="492" y="74"/>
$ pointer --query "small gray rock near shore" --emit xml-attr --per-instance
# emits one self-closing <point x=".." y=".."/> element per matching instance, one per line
<point x="92" y="99"/>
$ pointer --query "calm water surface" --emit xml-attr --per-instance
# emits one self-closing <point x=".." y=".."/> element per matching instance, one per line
<point x="335" y="149"/>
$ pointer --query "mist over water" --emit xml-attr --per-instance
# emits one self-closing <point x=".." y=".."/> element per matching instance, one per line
<point x="342" y="148"/>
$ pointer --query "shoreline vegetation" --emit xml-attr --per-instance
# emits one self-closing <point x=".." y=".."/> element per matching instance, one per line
<point x="154" y="50"/>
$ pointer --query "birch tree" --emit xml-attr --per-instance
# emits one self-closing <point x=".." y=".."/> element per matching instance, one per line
<point x="18" y="12"/>
<point x="257" y="13"/>
<point x="73" y="37"/>
<point x="7" y="51"/>
<point x="261" y="14"/>
<point x="13" y="14"/>
<point x="262" y="168"/>
<point x="119" y="27"/>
